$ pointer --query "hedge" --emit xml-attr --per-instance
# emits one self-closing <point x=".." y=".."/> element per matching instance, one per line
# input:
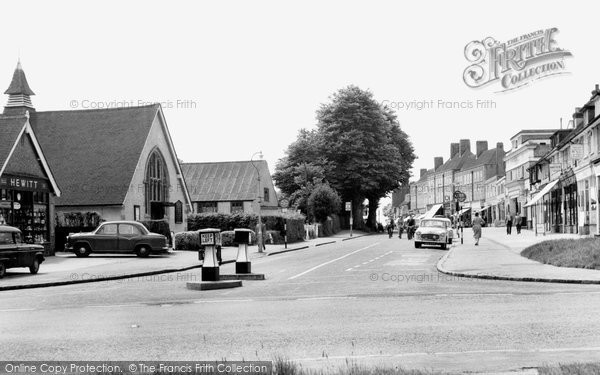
<point x="273" y="221"/>
<point x="160" y="227"/>
<point x="330" y="227"/>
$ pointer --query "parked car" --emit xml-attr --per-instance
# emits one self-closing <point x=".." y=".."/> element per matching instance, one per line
<point x="434" y="231"/>
<point x="16" y="253"/>
<point x="120" y="237"/>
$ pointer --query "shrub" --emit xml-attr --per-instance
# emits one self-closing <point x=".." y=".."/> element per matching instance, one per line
<point x="187" y="241"/>
<point x="330" y="226"/>
<point x="228" y="222"/>
<point x="323" y="201"/>
<point x="160" y="227"/>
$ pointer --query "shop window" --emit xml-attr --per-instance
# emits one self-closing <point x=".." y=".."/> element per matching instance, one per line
<point x="206" y="207"/>
<point x="237" y="206"/>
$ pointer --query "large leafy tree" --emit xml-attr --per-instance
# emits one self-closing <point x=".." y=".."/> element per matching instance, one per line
<point x="358" y="148"/>
<point x="323" y="201"/>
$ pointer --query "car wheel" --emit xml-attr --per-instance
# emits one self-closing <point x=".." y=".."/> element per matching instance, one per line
<point x="142" y="251"/>
<point x="2" y="270"/>
<point x="444" y="246"/>
<point x="82" y="250"/>
<point x="417" y="245"/>
<point x="35" y="266"/>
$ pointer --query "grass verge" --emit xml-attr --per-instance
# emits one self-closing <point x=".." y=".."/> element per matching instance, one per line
<point x="578" y="253"/>
<point x="571" y="369"/>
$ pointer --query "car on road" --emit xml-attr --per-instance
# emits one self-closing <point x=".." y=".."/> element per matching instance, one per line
<point x="16" y="253"/>
<point x="434" y="231"/>
<point x="119" y="237"/>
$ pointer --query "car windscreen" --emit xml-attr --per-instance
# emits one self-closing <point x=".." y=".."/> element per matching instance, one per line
<point x="433" y="223"/>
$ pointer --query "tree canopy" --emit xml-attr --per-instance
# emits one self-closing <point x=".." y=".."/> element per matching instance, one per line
<point x="358" y="148"/>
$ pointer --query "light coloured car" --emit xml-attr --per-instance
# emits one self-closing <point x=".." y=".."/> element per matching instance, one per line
<point x="434" y="231"/>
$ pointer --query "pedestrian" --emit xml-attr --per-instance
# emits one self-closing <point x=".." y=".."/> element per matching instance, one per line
<point x="477" y="224"/>
<point x="518" y="222"/>
<point x="508" y="223"/>
<point x="263" y="233"/>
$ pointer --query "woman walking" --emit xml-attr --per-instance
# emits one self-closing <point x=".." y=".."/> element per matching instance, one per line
<point x="477" y="224"/>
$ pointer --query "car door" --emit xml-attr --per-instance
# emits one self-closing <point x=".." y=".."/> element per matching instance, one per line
<point x="8" y="248"/>
<point x="106" y="238"/>
<point x="129" y="236"/>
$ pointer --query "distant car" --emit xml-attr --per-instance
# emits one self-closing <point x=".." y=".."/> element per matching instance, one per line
<point x="120" y="237"/>
<point x="434" y="231"/>
<point x="15" y="253"/>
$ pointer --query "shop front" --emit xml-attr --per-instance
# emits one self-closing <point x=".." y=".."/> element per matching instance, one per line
<point x="24" y="203"/>
<point x="569" y="203"/>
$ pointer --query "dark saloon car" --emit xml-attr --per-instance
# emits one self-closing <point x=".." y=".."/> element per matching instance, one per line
<point x="117" y="237"/>
<point x="16" y="253"/>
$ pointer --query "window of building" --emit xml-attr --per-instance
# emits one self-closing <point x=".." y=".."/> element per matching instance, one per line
<point x="156" y="181"/>
<point x="266" y="194"/>
<point x="237" y="206"/>
<point x="136" y="213"/>
<point x="178" y="212"/>
<point x="205" y="207"/>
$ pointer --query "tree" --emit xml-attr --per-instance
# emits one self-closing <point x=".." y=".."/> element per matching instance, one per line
<point x="366" y="153"/>
<point x="358" y="148"/>
<point x="323" y="201"/>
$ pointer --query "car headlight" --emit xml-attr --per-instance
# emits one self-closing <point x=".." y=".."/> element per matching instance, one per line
<point x="418" y="234"/>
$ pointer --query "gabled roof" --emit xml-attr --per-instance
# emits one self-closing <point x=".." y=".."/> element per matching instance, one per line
<point x="94" y="153"/>
<point x="13" y="128"/>
<point x="19" y="84"/>
<point x="456" y="163"/>
<point x="225" y="181"/>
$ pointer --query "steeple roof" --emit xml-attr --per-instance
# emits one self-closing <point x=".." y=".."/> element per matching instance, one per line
<point x="19" y="85"/>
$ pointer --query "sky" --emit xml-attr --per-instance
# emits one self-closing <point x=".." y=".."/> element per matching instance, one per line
<point x="238" y="77"/>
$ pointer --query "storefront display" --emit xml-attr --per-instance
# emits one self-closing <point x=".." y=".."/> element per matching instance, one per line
<point x="24" y="204"/>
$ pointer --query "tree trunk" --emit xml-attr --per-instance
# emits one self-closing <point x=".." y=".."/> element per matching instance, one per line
<point x="372" y="219"/>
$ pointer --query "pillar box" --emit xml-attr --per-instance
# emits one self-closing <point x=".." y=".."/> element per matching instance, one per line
<point x="242" y="238"/>
<point x="209" y="239"/>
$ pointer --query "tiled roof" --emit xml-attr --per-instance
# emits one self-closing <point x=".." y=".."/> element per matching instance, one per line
<point x="456" y="163"/>
<point x="93" y="153"/>
<point x="225" y="181"/>
<point x="19" y="84"/>
<point x="487" y="157"/>
<point x="11" y="128"/>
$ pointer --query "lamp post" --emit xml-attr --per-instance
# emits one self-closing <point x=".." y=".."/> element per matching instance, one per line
<point x="259" y="234"/>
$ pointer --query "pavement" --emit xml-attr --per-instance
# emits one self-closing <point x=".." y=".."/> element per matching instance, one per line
<point x="498" y="257"/>
<point x="66" y="268"/>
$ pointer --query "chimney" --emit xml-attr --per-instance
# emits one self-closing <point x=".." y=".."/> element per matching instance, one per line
<point x="453" y="150"/>
<point x="481" y="146"/>
<point x="423" y="171"/>
<point x="464" y="146"/>
<point x="577" y="118"/>
<point x="500" y="166"/>
<point x="437" y="162"/>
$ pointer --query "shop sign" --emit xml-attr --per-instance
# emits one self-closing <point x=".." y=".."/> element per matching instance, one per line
<point x="23" y="183"/>
<point x="576" y="152"/>
<point x="555" y="170"/>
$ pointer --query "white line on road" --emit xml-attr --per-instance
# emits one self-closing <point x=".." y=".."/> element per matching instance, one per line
<point x="15" y="310"/>
<point x="331" y="261"/>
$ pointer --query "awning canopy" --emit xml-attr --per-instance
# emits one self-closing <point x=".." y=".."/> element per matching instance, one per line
<point x="463" y="211"/>
<point x="482" y="209"/>
<point x="541" y="193"/>
<point x="431" y="213"/>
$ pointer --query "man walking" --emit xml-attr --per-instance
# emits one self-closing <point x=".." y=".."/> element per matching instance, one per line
<point x="518" y="222"/>
<point x="508" y="223"/>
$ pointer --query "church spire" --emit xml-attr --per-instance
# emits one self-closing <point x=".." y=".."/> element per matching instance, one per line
<point x="18" y="93"/>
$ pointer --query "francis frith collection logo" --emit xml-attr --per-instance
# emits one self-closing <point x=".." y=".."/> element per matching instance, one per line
<point x="515" y="63"/>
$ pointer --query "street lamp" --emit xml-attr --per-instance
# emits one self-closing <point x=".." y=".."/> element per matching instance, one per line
<point x="259" y="234"/>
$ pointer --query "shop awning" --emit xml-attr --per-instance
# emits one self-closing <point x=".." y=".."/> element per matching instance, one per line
<point x="431" y="213"/>
<point x="463" y="211"/>
<point x="541" y="193"/>
<point x="482" y="209"/>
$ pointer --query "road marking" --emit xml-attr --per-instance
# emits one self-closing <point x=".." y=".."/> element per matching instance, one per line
<point x="483" y="351"/>
<point x="369" y="261"/>
<point x="331" y="261"/>
<point x="15" y="310"/>
<point x="222" y="300"/>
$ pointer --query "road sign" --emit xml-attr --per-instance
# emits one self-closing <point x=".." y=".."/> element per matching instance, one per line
<point x="457" y="194"/>
<point x="348" y="206"/>
<point x="462" y="197"/>
<point x="284" y="203"/>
